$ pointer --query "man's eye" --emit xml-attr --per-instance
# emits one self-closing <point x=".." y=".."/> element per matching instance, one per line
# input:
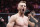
<point x="24" y="6"/>
<point x="21" y="5"/>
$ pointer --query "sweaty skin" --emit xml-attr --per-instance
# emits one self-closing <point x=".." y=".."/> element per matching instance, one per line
<point x="18" y="21"/>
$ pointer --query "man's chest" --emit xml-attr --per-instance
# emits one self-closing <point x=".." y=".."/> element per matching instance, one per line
<point x="22" y="21"/>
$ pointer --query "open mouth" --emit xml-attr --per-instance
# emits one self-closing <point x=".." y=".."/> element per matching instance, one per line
<point x="22" y="9"/>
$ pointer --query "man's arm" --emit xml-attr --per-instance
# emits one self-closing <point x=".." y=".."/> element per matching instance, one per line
<point x="11" y="22"/>
<point x="35" y="19"/>
<point x="31" y="24"/>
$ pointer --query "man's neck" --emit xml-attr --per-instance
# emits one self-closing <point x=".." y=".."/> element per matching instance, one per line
<point x="21" y="14"/>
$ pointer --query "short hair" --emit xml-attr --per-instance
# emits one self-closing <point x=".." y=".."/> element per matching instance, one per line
<point x="22" y="2"/>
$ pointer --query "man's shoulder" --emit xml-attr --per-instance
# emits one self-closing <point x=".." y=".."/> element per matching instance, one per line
<point x="13" y="15"/>
<point x="26" y="16"/>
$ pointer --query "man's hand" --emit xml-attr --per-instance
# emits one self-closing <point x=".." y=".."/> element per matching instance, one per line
<point x="2" y="20"/>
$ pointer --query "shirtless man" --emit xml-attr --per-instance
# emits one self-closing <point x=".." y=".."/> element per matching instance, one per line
<point x="19" y="19"/>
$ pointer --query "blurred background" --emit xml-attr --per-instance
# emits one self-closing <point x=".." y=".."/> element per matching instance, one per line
<point x="9" y="7"/>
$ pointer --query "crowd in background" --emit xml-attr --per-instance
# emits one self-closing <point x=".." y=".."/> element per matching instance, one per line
<point x="10" y="6"/>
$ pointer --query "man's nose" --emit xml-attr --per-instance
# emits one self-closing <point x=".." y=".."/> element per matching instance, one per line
<point x="23" y="6"/>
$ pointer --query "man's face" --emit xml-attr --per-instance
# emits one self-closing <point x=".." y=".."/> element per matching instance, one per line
<point x="21" y="7"/>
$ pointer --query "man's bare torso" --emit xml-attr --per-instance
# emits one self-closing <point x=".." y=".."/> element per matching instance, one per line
<point x="21" y="21"/>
